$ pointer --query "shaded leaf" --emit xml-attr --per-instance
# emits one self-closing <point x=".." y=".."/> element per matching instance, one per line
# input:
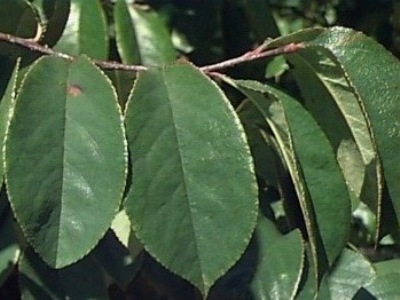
<point x="116" y="260"/>
<point x="262" y="272"/>
<point x="314" y="170"/>
<point x="66" y="150"/>
<point x="53" y="18"/>
<point x="83" y="280"/>
<point x="142" y="36"/>
<point x="278" y="276"/>
<point x="185" y="138"/>
<point x="261" y="19"/>
<point x="19" y="18"/>
<point x="86" y="30"/>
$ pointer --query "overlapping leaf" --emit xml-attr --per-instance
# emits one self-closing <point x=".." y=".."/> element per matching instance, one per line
<point x="17" y="17"/>
<point x="6" y="110"/>
<point x="263" y="272"/>
<point x="277" y="275"/>
<point x="377" y="86"/>
<point x="313" y="167"/>
<point x="86" y="30"/>
<point x="142" y="36"/>
<point x="53" y="17"/>
<point x="351" y="271"/>
<point x="193" y="201"/>
<point x="65" y="158"/>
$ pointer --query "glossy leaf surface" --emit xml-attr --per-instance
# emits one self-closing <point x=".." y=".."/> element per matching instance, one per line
<point x="66" y="150"/>
<point x="185" y="138"/>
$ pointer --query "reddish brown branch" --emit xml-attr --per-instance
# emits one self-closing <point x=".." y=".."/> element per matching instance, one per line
<point x="247" y="57"/>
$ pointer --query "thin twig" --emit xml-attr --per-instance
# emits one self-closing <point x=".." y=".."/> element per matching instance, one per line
<point x="253" y="55"/>
<point x="247" y="57"/>
<point x="34" y="46"/>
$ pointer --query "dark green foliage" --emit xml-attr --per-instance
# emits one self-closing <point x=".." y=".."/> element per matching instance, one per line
<point x="273" y="178"/>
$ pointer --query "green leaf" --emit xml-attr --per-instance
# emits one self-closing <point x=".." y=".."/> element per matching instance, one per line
<point x="351" y="271"/>
<point x="122" y="228"/>
<point x="313" y="167"/>
<point x="86" y="30"/>
<point x="142" y="36"/>
<point x="6" y="110"/>
<point x="387" y="266"/>
<point x="384" y="287"/>
<point x="278" y="276"/>
<point x="53" y="18"/>
<point x="195" y="179"/>
<point x="66" y="150"/>
<point x="309" y="287"/>
<point x="263" y="272"/>
<point x="337" y="107"/>
<point x="83" y="280"/>
<point x="377" y="86"/>
<point x="19" y="18"/>
<point x="261" y="19"/>
<point x="127" y="43"/>
<point x="332" y="100"/>
<point x="266" y="160"/>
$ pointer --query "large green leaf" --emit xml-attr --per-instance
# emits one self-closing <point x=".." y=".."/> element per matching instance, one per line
<point x="313" y="167"/>
<point x="86" y="30"/>
<point x="378" y="88"/>
<point x="375" y="88"/>
<point x="335" y="104"/>
<point x="142" y="36"/>
<point x="65" y="158"/>
<point x="83" y="280"/>
<point x="193" y="201"/>
<point x="6" y="110"/>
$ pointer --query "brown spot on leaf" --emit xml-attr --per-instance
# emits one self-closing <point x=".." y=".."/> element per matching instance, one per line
<point x="74" y="90"/>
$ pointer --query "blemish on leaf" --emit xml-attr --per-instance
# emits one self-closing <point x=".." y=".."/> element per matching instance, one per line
<point x="74" y="90"/>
